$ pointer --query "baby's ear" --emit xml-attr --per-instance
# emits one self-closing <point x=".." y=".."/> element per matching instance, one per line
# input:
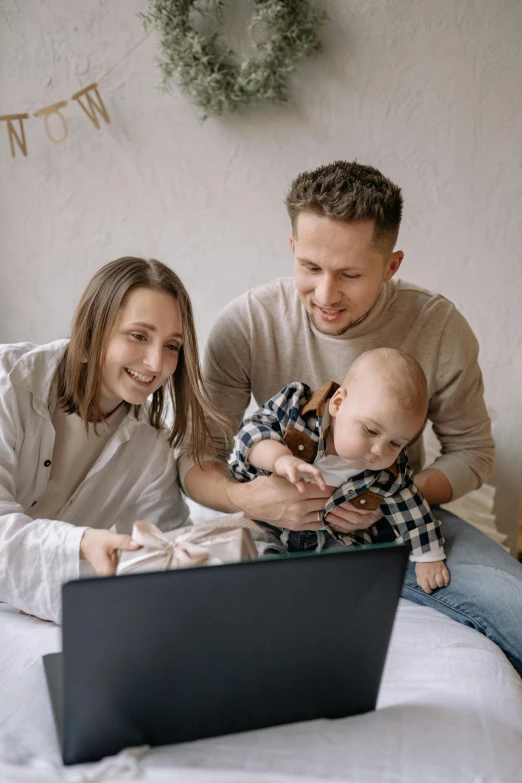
<point x="336" y="400"/>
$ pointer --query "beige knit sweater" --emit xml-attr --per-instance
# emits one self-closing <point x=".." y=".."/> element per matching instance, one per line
<point x="263" y="340"/>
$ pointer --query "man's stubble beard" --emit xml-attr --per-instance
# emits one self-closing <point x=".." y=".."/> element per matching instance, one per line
<point x="347" y="328"/>
<point x="342" y="330"/>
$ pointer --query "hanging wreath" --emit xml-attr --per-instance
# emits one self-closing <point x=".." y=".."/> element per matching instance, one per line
<point x="207" y="69"/>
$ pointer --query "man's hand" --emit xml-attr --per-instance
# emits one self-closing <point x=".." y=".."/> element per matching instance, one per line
<point x="346" y="518"/>
<point x="298" y="472"/>
<point x="273" y="499"/>
<point x="100" y="548"/>
<point x="430" y="576"/>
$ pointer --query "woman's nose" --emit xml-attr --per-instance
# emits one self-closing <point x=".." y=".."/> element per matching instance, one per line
<point x="154" y="358"/>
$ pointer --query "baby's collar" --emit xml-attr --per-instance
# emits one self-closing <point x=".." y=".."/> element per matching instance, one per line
<point x="318" y="398"/>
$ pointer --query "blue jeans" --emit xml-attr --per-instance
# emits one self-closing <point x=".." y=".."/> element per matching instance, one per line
<point x="485" y="591"/>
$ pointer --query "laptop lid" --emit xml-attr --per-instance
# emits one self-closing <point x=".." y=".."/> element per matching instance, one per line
<point x="161" y="658"/>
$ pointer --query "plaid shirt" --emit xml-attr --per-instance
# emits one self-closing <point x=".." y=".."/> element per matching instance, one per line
<point x="403" y="505"/>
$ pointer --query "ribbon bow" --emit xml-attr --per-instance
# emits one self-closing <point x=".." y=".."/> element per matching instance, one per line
<point x="188" y="546"/>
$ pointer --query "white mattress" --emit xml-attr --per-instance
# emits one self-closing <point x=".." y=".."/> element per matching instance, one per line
<point x="450" y="709"/>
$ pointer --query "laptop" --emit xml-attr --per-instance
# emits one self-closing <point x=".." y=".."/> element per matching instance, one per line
<point x="161" y="658"/>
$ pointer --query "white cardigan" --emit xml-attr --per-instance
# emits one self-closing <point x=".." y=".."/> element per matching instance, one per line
<point x="135" y="477"/>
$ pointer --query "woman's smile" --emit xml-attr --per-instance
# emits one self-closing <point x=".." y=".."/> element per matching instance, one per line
<point x="140" y="378"/>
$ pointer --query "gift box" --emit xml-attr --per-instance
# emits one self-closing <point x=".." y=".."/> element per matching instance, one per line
<point x="227" y="539"/>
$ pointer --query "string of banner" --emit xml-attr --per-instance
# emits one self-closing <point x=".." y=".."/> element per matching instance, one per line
<point x="88" y="99"/>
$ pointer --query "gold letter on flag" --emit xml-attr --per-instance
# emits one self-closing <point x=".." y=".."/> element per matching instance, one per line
<point x="92" y="105"/>
<point x="13" y="135"/>
<point x="46" y="113"/>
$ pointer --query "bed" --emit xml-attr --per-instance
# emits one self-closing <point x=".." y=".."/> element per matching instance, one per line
<point x="449" y="709"/>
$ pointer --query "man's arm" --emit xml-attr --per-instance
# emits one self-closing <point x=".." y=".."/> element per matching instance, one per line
<point x="227" y="372"/>
<point x="267" y="498"/>
<point x="434" y="485"/>
<point x="460" y="418"/>
<point x="211" y="485"/>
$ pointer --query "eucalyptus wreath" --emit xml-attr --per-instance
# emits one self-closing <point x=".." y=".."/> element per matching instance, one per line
<point x="207" y="69"/>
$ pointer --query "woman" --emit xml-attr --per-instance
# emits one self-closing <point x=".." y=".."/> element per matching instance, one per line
<point x="81" y="449"/>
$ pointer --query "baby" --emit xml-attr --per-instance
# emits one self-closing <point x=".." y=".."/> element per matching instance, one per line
<point x="353" y="438"/>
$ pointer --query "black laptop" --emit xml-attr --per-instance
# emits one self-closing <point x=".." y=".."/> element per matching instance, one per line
<point x="161" y="658"/>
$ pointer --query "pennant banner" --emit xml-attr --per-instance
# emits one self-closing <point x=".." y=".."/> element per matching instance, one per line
<point x="88" y="99"/>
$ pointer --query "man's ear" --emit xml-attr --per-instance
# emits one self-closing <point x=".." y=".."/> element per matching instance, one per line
<point x="392" y="265"/>
<point x="292" y="243"/>
<point x="336" y="400"/>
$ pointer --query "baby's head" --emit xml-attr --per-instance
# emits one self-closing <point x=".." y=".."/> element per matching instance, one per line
<point x="379" y="408"/>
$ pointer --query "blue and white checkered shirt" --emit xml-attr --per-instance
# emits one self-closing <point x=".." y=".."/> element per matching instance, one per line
<point x="403" y="505"/>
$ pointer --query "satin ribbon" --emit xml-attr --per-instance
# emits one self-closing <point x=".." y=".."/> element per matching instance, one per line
<point x="189" y="546"/>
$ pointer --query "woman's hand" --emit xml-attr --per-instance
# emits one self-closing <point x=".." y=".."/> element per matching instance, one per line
<point x="100" y="548"/>
<point x="298" y="472"/>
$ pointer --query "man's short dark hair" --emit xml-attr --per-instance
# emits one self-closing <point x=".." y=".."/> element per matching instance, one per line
<point x="349" y="192"/>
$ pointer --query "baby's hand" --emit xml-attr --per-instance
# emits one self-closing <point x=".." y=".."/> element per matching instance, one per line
<point x="296" y="470"/>
<point x="430" y="576"/>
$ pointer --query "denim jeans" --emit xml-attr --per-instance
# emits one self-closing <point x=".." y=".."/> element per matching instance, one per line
<point x="485" y="591"/>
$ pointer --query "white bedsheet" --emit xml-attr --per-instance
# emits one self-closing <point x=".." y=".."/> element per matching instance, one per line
<point x="450" y="709"/>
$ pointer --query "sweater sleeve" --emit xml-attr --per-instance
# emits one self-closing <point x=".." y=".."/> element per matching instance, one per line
<point x="458" y="410"/>
<point x="226" y="373"/>
<point x="36" y="556"/>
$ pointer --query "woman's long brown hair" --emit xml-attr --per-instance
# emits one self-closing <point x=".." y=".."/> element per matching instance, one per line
<point x="81" y="371"/>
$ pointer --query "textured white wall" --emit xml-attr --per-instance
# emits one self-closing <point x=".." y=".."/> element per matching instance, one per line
<point x="427" y="90"/>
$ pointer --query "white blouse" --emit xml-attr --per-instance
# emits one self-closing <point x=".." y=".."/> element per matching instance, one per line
<point x="133" y="477"/>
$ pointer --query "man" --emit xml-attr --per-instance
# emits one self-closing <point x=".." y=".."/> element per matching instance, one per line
<point x="341" y="302"/>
